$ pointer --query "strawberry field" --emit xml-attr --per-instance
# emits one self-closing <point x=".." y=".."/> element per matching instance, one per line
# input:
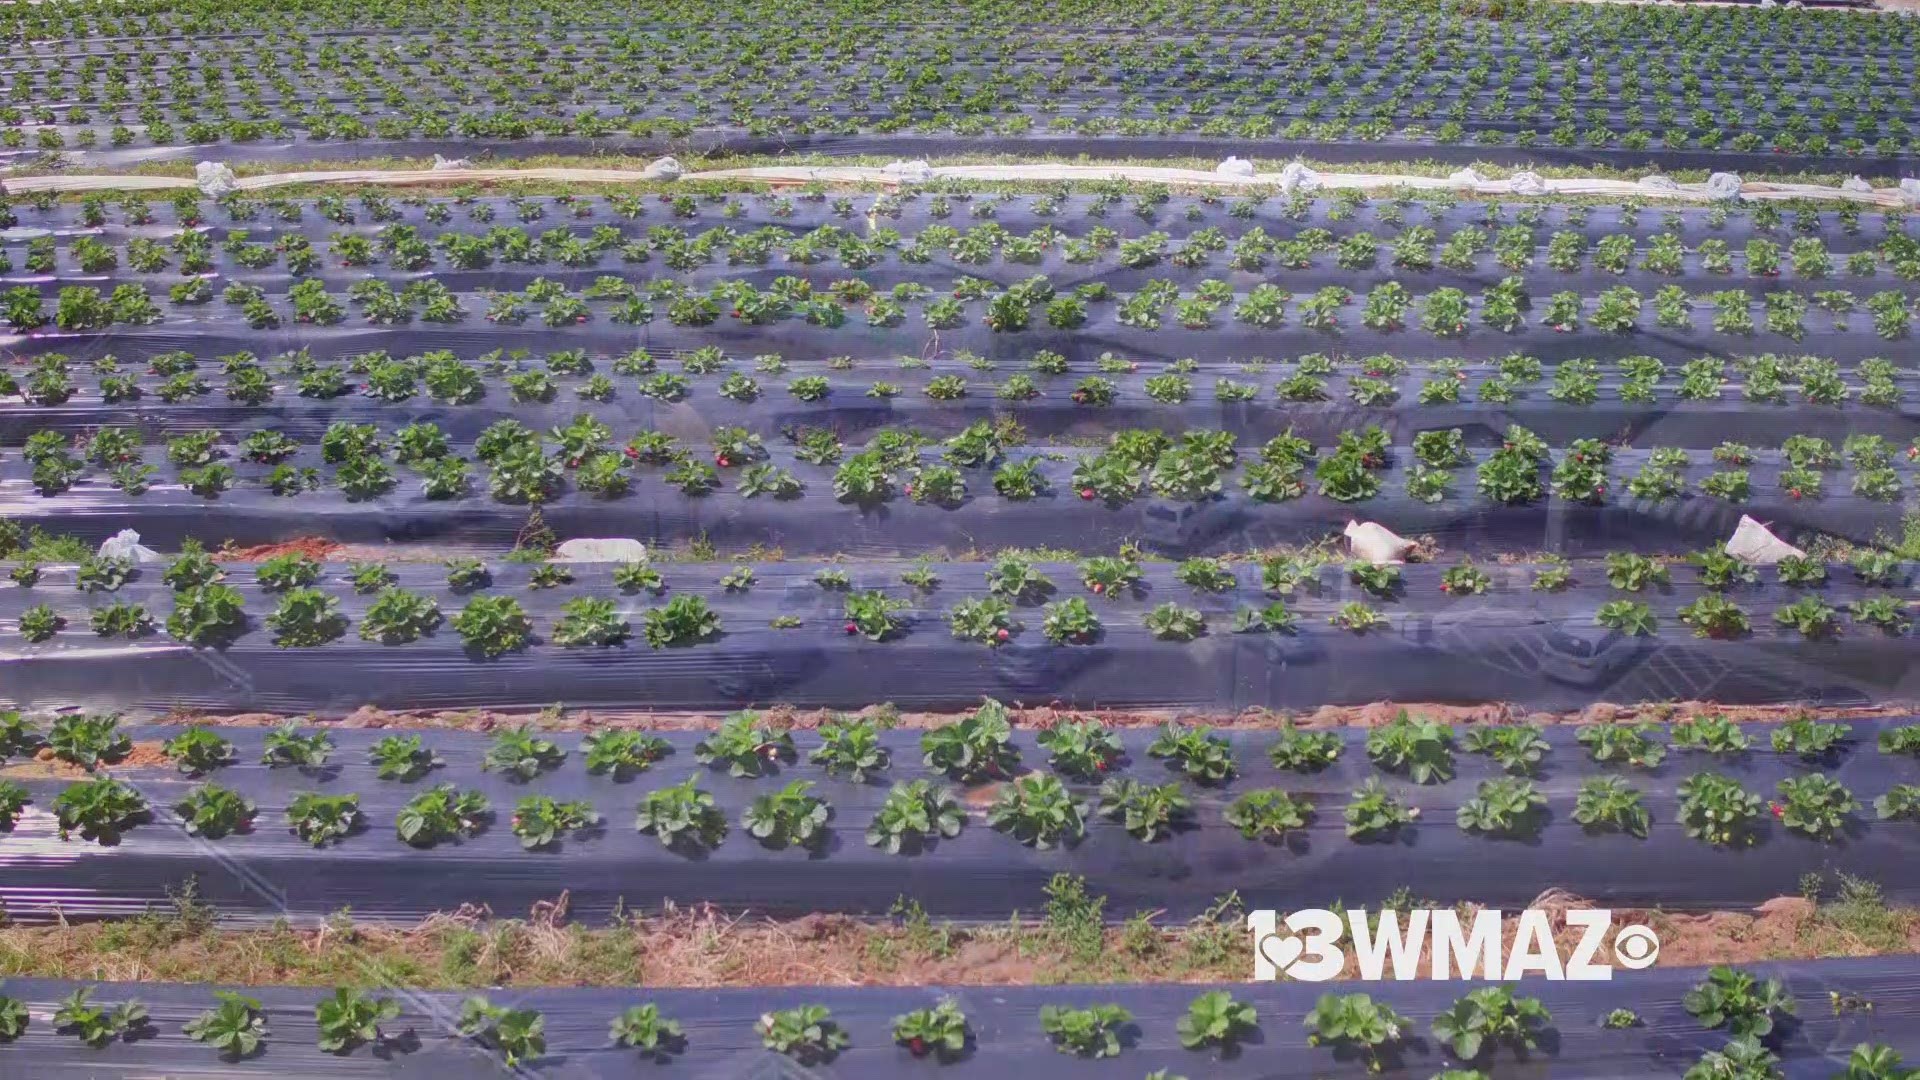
<point x="773" y="614"/>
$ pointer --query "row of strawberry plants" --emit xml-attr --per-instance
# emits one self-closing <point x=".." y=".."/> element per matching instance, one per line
<point x="1380" y="380"/>
<point x="985" y="456"/>
<point x="1291" y="215"/>
<point x="1032" y="305"/>
<point x="1416" y="249"/>
<point x="1036" y="808"/>
<point x="1714" y="826"/>
<point x="1727" y="1021"/>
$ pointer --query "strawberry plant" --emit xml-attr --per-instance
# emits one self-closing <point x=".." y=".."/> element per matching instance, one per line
<point x="1465" y="580"/>
<point x="13" y="1018"/>
<point x="1518" y="748"/>
<point x="1812" y="740"/>
<point x="1356" y="1025"/>
<point x="745" y="746"/>
<point x="287" y="572"/>
<point x="1812" y="616"/>
<point x="1357" y="617"/>
<point x="1014" y="579"/>
<point x="322" y="819"/>
<point x="539" y="820"/>
<point x="521" y="755"/>
<point x="1216" y="1019"/>
<point x="213" y="812"/>
<point x="442" y="812"/>
<point x="1815" y="804"/>
<point x="682" y="817"/>
<point x="40" y="622"/>
<point x="806" y="1033"/>
<point x="350" y="1018"/>
<point x="790" y="816"/>
<point x="1198" y="752"/>
<point x="1888" y="613"/>
<point x="403" y="758"/>
<point x="1718" y="810"/>
<point x="1712" y="733"/>
<point x="1714" y="616"/>
<point x="1620" y="1020"/>
<point x="1094" y="1032"/>
<point x="1631" y="572"/>
<point x="874" y="615"/>
<point x="1038" y="811"/>
<point x="1207" y="575"/>
<point x="13" y="801"/>
<point x="209" y="615"/>
<point x="97" y="1025"/>
<point x="1900" y="801"/>
<point x="1081" y="749"/>
<point x="915" y="815"/>
<point x="1148" y="811"/>
<point x="285" y="746"/>
<point x="1070" y="622"/>
<point x="1893" y="740"/>
<point x="1171" y="622"/>
<point x="1801" y="570"/>
<point x="850" y="747"/>
<point x="1608" y="802"/>
<point x="519" y="1034"/>
<point x="683" y="621"/>
<point x="397" y="616"/>
<point x="1109" y="576"/>
<point x="1375" y="813"/>
<point x="1485" y="1018"/>
<point x="940" y="1031"/>
<point x="620" y="753"/>
<point x="236" y="1027"/>
<point x="1719" y="570"/>
<point x="1876" y="1062"/>
<point x="1268" y="814"/>
<point x="975" y="748"/>
<point x="1746" y="1006"/>
<point x="1507" y="806"/>
<point x="18" y="736"/>
<point x="1421" y="749"/>
<point x="1626" y="617"/>
<point x="464" y="574"/>
<point x="305" y="618"/>
<point x="643" y="1028"/>
<point x="1381" y="580"/>
<point x="1305" y="751"/>
<point x="88" y="740"/>
<point x="492" y="626"/>
<point x="100" y="810"/>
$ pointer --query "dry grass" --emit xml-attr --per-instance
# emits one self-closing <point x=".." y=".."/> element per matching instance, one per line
<point x="1065" y="944"/>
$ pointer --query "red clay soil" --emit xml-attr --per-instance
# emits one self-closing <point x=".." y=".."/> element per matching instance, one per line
<point x="311" y="546"/>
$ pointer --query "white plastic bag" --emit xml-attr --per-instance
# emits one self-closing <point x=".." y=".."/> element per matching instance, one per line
<point x="608" y="549"/>
<point x="1754" y="544"/>
<point x="1376" y="543"/>
<point x="125" y="544"/>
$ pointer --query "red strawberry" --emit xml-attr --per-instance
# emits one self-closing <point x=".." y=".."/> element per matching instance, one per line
<point x="1001" y="635"/>
<point x="1086" y="493"/>
<point x="853" y="628"/>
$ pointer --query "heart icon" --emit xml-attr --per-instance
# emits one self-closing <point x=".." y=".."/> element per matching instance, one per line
<point x="1279" y="951"/>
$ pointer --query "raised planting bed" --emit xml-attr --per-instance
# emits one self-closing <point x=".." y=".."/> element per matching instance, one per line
<point x="804" y="490"/>
<point x="1284" y="633"/>
<point x="1002" y="1030"/>
<point x="1410" y="803"/>
<point x="1671" y="85"/>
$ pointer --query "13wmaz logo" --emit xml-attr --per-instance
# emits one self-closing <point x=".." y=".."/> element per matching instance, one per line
<point x="1305" y="946"/>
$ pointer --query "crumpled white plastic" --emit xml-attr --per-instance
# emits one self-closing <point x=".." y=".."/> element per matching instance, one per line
<point x="599" y="550"/>
<point x="215" y="178"/>
<point x="1527" y="182"/>
<point x="441" y="164"/>
<point x="1234" y="166"/>
<point x="1723" y="185"/>
<point x="916" y="171"/>
<point x="1295" y="176"/>
<point x="1376" y="543"/>
<point x="665" y="168"/>
<point x="1468" y="177"/>
<point x="125" y="544"/>
<point x="1755" y="544"/>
